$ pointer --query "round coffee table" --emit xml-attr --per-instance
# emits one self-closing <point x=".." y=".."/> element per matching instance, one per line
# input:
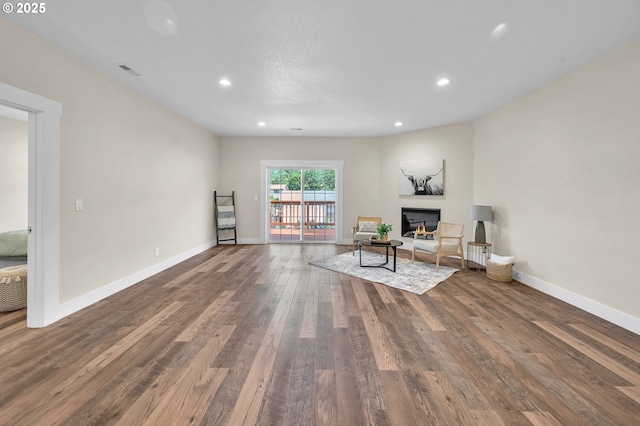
<point x="393" y="244"/>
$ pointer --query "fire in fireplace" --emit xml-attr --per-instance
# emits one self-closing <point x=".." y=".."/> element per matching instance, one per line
<point x="414" y="217"/>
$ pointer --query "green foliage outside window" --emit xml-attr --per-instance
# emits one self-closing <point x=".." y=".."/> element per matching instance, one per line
<point x="314" y="179"/>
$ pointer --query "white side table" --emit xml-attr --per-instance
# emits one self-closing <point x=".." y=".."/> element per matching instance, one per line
<point x="477" y="254"/>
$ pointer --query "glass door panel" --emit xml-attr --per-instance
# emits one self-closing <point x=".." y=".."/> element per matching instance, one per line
<point x="302" y="205"/>
<point x="320" y="205"/>
<point x="285" y="213"/>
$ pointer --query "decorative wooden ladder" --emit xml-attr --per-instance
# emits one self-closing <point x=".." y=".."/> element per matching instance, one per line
<point x="225" y="216"/>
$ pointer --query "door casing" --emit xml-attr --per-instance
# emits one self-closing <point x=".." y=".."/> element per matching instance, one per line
<point x="43" y="253"/>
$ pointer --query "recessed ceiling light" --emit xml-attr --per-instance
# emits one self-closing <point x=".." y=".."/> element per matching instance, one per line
<point x="398" y="124"/>
<point x="262" y="124"/>
<point x="442" y="82"/>
<point x="499" y="31"/>
<point x="224" y="82"/>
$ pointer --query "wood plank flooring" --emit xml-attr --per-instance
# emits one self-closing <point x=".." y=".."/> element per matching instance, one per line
<point x="244" y="335"/>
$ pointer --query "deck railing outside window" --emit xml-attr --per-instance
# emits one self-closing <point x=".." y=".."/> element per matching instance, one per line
<point x="317" y="214"/>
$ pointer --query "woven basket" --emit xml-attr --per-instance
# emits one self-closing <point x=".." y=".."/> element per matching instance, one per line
<point x="13" y="288"/>
<point x="498" y="272"/>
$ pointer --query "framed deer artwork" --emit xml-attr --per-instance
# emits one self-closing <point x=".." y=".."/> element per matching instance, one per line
<point x="423" y="177"/>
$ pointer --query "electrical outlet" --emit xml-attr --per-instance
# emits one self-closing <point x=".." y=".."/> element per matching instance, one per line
<point x="157" y="251"/>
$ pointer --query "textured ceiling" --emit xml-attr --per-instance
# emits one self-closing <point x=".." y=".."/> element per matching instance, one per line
<point x="334" y="67"/>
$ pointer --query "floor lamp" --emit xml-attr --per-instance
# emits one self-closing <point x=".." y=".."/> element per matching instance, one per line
<point x="481" y="213"/>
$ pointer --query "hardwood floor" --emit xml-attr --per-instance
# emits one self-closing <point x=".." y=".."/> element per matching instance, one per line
<point x="245" y="335"/>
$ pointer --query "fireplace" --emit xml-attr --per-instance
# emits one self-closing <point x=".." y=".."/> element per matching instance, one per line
<point x="414" y="217"/>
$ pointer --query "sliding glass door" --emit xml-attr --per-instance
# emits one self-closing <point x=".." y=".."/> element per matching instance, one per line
<point x="302" y="204"/>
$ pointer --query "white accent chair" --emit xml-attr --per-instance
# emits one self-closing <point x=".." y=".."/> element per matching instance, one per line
<point x="366" y="228"/>
<point x="447" y="241"/>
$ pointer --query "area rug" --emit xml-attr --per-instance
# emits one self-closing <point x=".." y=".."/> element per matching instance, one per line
<point x="417" y="278"/>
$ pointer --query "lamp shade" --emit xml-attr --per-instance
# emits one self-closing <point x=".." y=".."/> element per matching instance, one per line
<point x="481" y="213"/>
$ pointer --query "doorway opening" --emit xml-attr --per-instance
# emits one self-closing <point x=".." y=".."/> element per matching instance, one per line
<point x="14" y="188"/>
<point x="302" y="205"/>
<point x="43" y="253"/>
<point x="14" y="191"/>
<point x="302" y="201"/>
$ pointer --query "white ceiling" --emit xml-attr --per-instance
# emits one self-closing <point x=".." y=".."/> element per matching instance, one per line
<point x="334" y="67"/>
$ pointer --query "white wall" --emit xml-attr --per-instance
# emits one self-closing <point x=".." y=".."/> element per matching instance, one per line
<point x="560" y="168"/>
<point x="240" y="171"/>
<point x="146" y="175"/>
<point x="452" y="143"/>
<point x="370" y="173"/>
<point x="14" y="174"/>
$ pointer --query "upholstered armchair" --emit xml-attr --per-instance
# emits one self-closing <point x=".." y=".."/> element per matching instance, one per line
<point x="366" y="228"/>
<point x="447" y="241"/>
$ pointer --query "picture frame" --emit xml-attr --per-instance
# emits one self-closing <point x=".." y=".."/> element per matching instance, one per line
<point x="421" y="178"/>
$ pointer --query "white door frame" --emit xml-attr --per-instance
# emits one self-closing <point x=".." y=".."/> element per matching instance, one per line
<point x="288" y="164"/>
<point x="43" y="284"/>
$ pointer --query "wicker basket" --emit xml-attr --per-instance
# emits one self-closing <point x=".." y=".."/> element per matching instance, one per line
<point x="13" y="288"/>
<point x="498" y="272"/>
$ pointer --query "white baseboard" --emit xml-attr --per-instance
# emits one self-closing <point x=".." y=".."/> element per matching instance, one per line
<point x="241" y="241"/>
<point x="607" y="313"/>
<point x="249" y="241"/>
<point x="614" y="316"/>
<point x="67" y="308"/>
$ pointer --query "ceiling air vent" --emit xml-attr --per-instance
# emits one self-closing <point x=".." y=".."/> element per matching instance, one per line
<point x="296" y="128"/>
<point x="129" y="70"/>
